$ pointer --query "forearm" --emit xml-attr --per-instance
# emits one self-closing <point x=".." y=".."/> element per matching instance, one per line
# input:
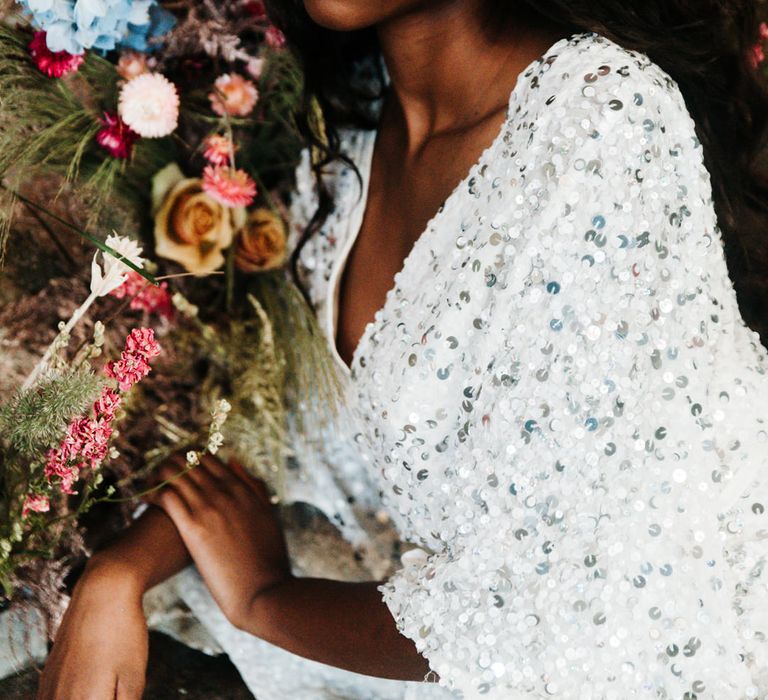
<point x="341" y="624"/>
<point x="149" y="551"/>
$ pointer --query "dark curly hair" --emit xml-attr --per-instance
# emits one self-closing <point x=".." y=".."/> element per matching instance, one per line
<point x="704" y="45"/>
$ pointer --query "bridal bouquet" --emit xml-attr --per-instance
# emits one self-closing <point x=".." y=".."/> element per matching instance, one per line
<point x="146" y="152"/>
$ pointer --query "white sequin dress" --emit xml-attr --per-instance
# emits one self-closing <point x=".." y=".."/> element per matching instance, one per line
<point x="559" y="404"/>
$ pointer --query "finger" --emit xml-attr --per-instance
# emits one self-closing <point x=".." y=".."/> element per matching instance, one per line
<point x="256" y="485"/>
<point x="174" y="506"/>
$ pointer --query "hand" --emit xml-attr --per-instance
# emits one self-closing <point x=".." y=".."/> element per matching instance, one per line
<point x="230" y="528"/>
<point x="100" y="652"/>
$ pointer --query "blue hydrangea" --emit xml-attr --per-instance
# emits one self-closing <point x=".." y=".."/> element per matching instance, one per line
<point x="77" y="25"/>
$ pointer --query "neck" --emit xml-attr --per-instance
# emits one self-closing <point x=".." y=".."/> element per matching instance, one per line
<point x="449" y="68"/>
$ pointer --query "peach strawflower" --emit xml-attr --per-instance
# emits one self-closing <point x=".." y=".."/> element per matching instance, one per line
<point x="230" y="187"/>
<point x="149" y="104"/>
<point x="233" y="95"/>
<point x="132" y="64"/>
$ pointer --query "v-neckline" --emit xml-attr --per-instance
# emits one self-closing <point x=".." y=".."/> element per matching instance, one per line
<point x="355" y="220"/>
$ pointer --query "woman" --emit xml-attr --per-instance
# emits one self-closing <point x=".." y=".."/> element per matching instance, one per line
<point x="551" y="386"/>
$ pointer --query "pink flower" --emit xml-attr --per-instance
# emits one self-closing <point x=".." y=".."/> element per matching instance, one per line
<point x="133" y="365"/>
<point x="233" y="95"/>
<point x="764" y="31"/>
<point x="274" y="37"/>
<point x="117" y="138"/>
<point x="230" y="187"/>
<point x="53" y="63"/>
<point x="36" y="503"/>
<point x="218" y="149"/>
<point x="756" y="55"/>
<point x="105" y="406"/>
<point x="57" y="465"/>
<point x="146" y="297"/>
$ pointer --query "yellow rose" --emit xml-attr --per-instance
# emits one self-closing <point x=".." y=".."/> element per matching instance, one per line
<point x="191" y="227"/>
<point x="261" y="244"/>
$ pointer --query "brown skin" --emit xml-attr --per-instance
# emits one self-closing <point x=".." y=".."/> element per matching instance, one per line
<point x="451" y="82"/>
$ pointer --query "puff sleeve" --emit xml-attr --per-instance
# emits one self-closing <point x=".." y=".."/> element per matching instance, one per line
<point x="613" y="534"/>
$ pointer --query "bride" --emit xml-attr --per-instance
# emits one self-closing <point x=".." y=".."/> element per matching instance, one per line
<point x="515" y="239"/>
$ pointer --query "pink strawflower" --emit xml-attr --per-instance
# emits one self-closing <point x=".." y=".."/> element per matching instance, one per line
<point x="53" y="63"/>
<point x="36" y="503"/>
<point x="133" y="365"/>
<point x="274" y="37"/>
<point x="116" y="137"/>
<point x="107" y="404"/>
<point x="230" y="187"/>
<point x="218" y="149"/>
<point x="233" y="95"/>
<point x="149" y="104"/>
<point x="146" y="297"/>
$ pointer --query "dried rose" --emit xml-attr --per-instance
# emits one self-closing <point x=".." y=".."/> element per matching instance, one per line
<point x="191" y="227"/>
<point x="261" y="244"/>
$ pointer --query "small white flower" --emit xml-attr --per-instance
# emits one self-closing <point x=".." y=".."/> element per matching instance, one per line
<point x="111" y="273"/>
<point x="193" y="459"/>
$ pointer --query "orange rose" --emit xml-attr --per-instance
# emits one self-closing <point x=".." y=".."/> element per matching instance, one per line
<point x="261" y="244"/>
<point x="191" y="227"/>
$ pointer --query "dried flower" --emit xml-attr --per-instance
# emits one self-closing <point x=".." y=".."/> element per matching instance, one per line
<point x="261" y="244"/>
<point x="231" y="187"/>
<point x="149" y="104"/>
<point x="145" y="296"/>
<point x="133" y="365"/>
<point x="116" y="137"/>
<point x="132" y="64"/>
<point x="112" y="272"/>
<point x="191" y="227"/>
<point x="218" y="149"/>
<point x="233" y="95"/>
<point x="53" y="63"/>
<point x="37" y="503"/>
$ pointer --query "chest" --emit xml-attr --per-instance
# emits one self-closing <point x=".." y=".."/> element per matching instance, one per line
<point x="405" y="192"/>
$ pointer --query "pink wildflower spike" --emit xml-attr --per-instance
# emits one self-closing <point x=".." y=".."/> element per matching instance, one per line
<point x="36" y="503"/>
<point x="57" y="465"/>
<point x="146" y="297"/>
<point x="116" y="137"/>
<point x="53" y="63"/>
<point x="133" y="365"/>
<point x="232" y="188"/>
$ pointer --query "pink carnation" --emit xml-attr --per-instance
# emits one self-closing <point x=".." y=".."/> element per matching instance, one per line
<point x="233" y="95"/>
<point x="36" y="503"/>
<point x="230" y="187"/>
<point x="218" y="149"/>
<point x="145" y="297"/>
<point x="53" y="63"/>
<point x="116" y="137"/>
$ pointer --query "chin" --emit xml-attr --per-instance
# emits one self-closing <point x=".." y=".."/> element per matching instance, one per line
<point x="350" y="15"/>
